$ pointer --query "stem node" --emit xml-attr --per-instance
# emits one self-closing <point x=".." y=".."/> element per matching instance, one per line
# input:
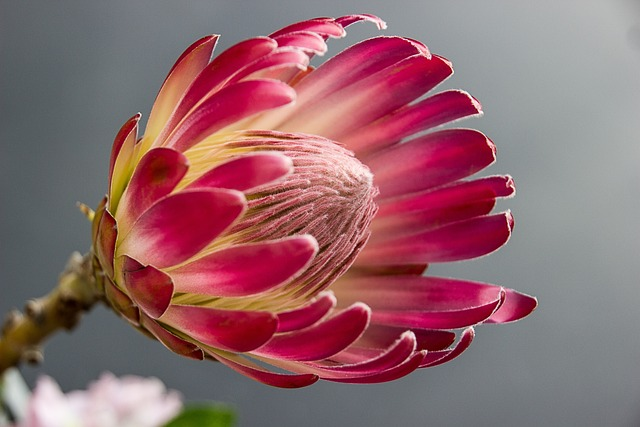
<point x="22" y="335"/>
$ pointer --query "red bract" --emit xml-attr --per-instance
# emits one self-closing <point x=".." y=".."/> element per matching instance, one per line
<point x="279" y="215"/>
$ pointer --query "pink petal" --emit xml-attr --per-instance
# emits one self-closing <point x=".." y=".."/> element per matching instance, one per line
<point x="243" y="270"/>
<point x="251" y="370"/>
<point x="171" y="341"/>
<point x="149" y="287"/>
<point x="321" y="26"/>
<point x="307" y="41"/>
<point x="398" y="352"/>
<point x="106" y="242"/>
<point x="369" y="98"/>
<point x="186" y="68"/>
<point x="218" y="73"/>
<point x="360" y="60"/>
<point x="433" y="209"/>
<point x="231" y="330"/>
<point x="413" y="293"/>
<point x="95" y="229"/>
<point x="393" y="357"/>
<point x="438" y="319"/>
<point x="423" y="302"/>
<point x="345" y="21"/>
<point x="399" y="371"/>
<point x="97" y="217"/>
<point x="321" y="340"/>
<point x="121" y="165"/>
<point x="436" y="110"/>
<point x="467" y="239"/>
<point x="229" y="105"/>
<point x="454" y="194"/>
<point x="180" y="225"/>
<point x="308" y="314"/>
<point x="379" y="336"/>
<point x="435" y="358"/>
<point x="414" y="222"/>
<point x="386" y="270"/>
<point x="429" y="161"/>
<point x="120" y="139"/>
<point x="121" y="303"/>
<point x="433" y="340"/>
<point x="246" y="172"/>
<point x="157" y="174"/>
<point x="234" y="60"/>
<point x="328" y="27"/>
<point x="516" y="306"/>
<point x="280" y="60"/>
<point x="349" y="67"/>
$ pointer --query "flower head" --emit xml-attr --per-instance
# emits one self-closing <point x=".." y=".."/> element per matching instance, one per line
<point x="276" y="214"/>
<point x="109" y="402"/>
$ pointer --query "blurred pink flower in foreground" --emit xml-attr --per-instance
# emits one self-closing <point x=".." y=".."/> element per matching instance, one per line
<point x="109" y="402"/>
<point x="279" y="215"/>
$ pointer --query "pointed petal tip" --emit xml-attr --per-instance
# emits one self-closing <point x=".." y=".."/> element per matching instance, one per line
<point x="351" y="19"/>
<point x="445" y="61"/>
<point x="362" y="308"/>
<point x="403" y="369"/>
<point x="310" y="242"/>
<point x="131" y="122"/>
<point x="475" y="103"/>
<point x="439" y="357"/>
<point x="308" y="314"/>
<point x="491" y="145"/>
<point x="207" y="42"/>
<point x="322" y="340"/>
<point x="517" y="306"/>
<point x="248" y="368"/>
<point x="124" y="137"/>
<point x="510" y="220"/>
<point x="510" y="184"/>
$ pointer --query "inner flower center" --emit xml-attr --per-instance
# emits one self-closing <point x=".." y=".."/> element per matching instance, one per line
<point x="329" y="195"/>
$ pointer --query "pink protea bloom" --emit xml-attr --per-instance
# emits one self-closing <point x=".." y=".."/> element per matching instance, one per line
<point x="279" y="215"/>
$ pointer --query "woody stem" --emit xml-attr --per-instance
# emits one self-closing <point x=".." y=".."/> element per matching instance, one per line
<point x="23" y="334"/>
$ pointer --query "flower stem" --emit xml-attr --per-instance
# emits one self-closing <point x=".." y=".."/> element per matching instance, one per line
<point x="22" y="335"/>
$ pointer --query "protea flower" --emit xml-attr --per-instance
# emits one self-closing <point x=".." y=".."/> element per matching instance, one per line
<point x="129" y="401"/>
<point x="276" y="215"/>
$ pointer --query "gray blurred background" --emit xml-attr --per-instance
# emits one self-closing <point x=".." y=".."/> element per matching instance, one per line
<point x="560" y="86"/>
